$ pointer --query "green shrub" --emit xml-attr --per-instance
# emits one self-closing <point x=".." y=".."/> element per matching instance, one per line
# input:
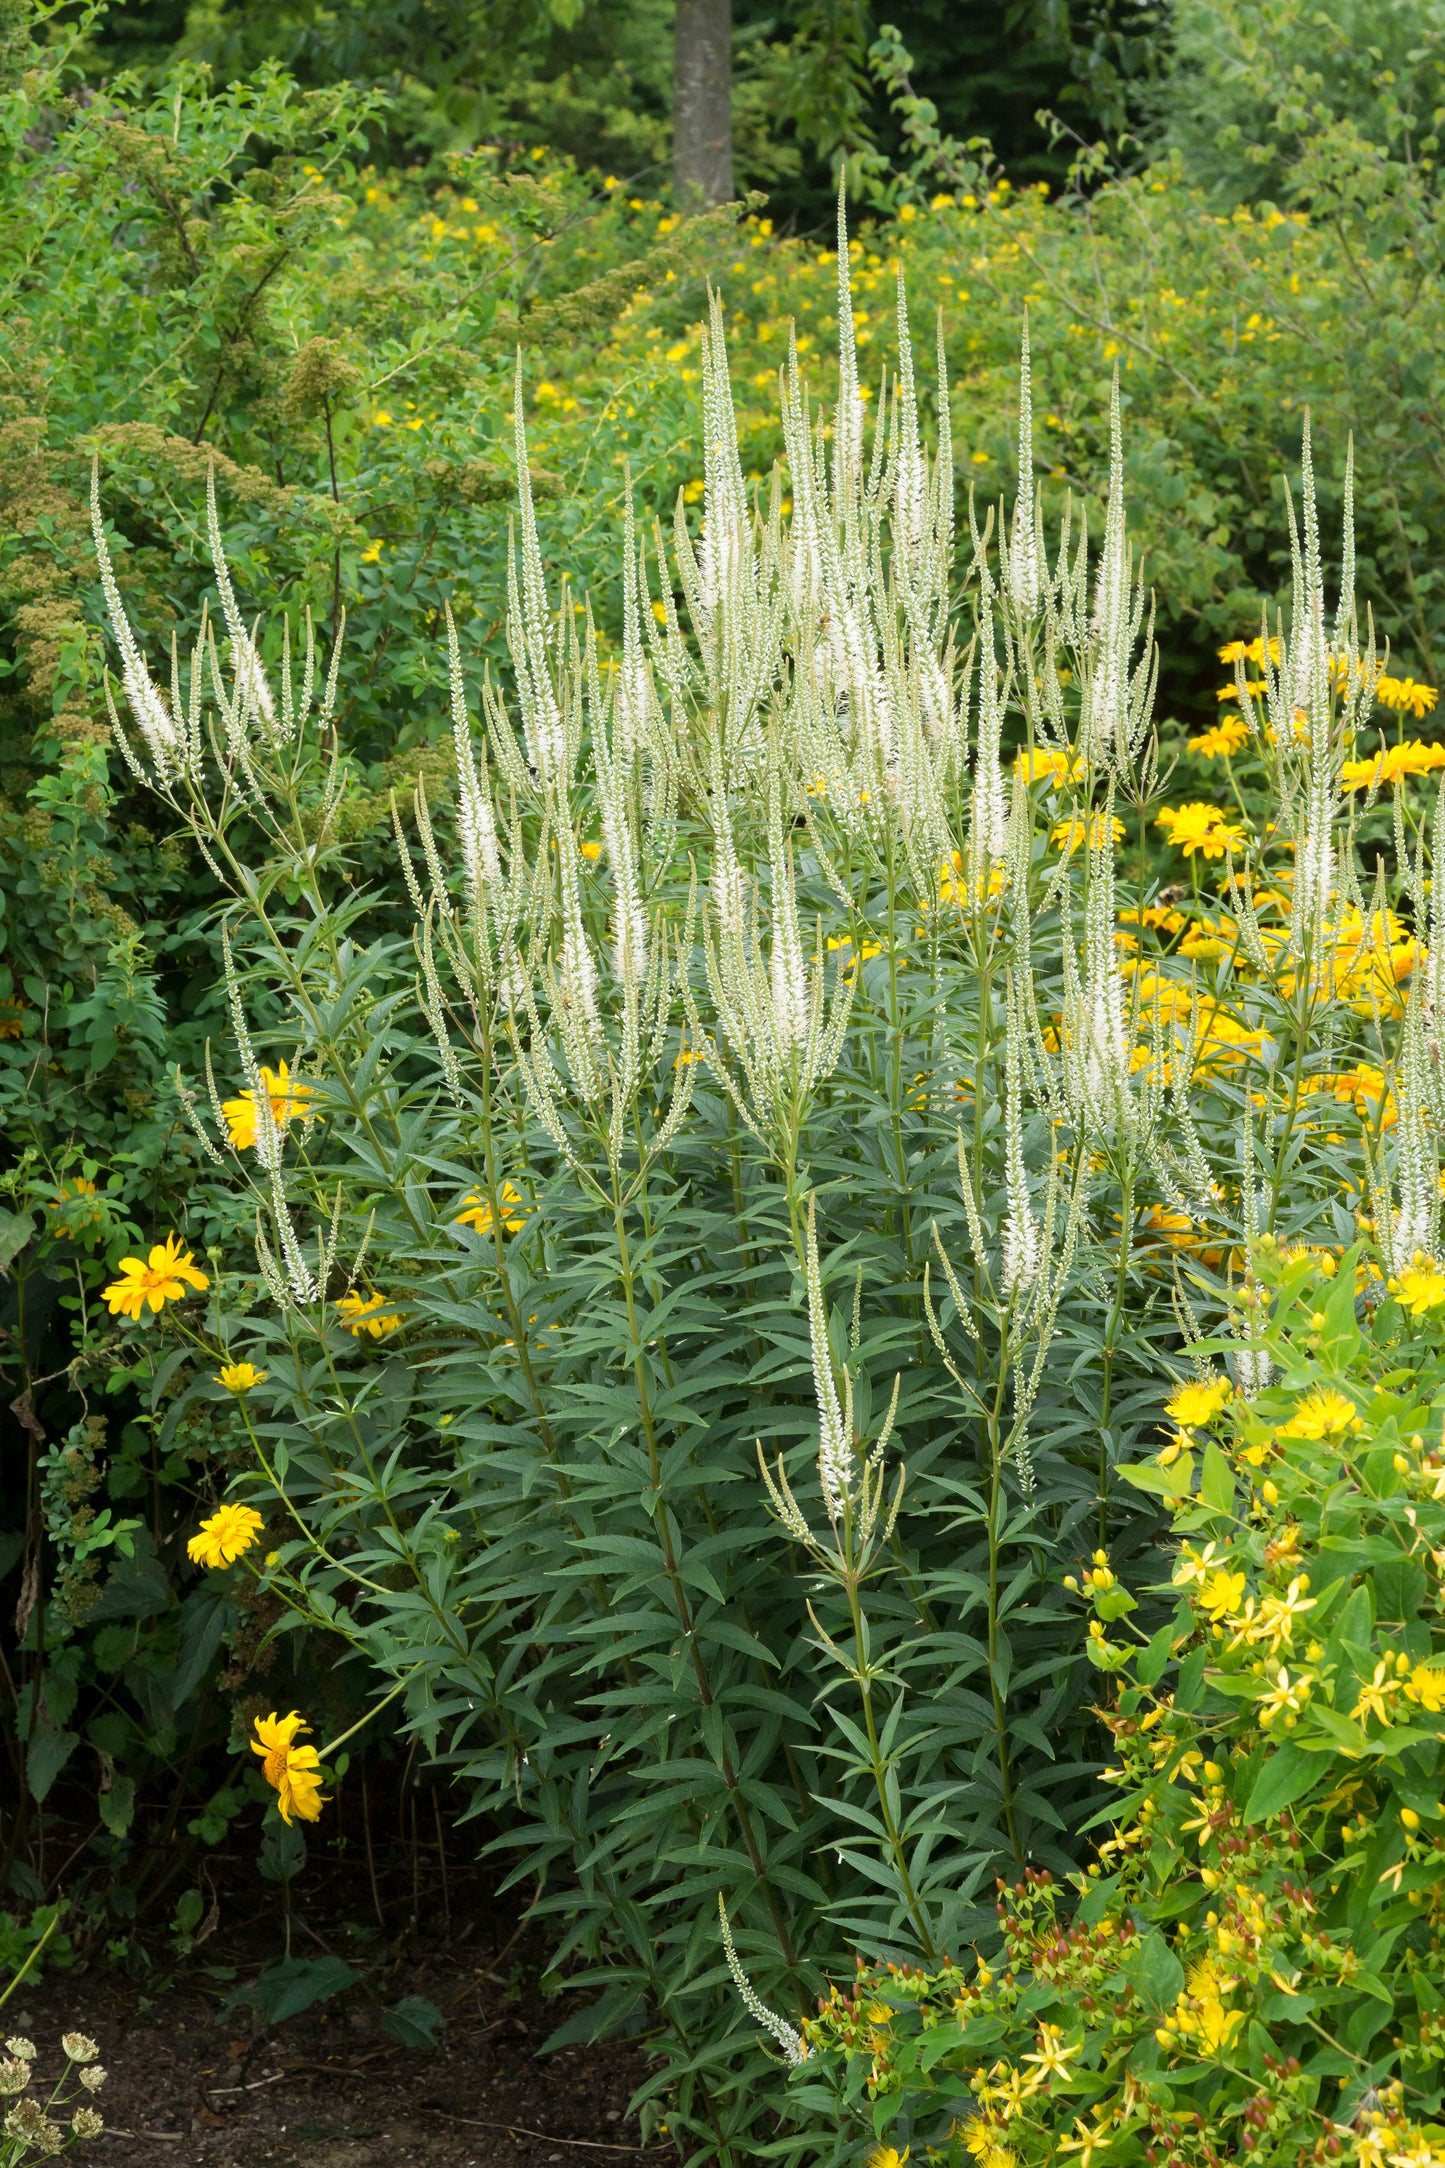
<point x="1251" y="1968"/>
<point x="201" y="281"/>
<point x="771" y="1071"/>
<point x="1248" y="87"/>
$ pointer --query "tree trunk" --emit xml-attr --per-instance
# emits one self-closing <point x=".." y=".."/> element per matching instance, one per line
<point x="702" y="104"/>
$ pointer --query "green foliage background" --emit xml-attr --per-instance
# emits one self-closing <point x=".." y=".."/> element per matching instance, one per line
<point x="592" y="79"/>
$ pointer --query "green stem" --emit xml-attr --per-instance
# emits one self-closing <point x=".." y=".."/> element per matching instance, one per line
<point x="661" y="1516"/>
<point x="31" y="1959"/>
<point x="1111" y="1330"/>
<point x="995" y="1550"/>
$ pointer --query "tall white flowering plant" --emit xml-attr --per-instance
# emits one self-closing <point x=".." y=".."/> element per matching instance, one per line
<point x="723" y="1212"/>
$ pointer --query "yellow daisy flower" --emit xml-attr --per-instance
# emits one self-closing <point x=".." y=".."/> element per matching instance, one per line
<point x="293" y="1771"/>
<point x="224" y="1535"/>
<point x="1227" y="737"/>
<point x="1411" y="758"/>
<point x="240" y="1377"/>
<point x="1068" y="835"/>
<point x="1200" y="827"/>
<point x="74" y="1185"/>
<point x="75" y="1208"/>
<point x="1403" y="693"/>
<point x="156" y="1280"/>
<point x="476" y="1212"/>
<point x="1174" y="1227"/>
<point x="287" y="1101"/>
<point x="1048" y="765"/>
<point x="367" y="1313"/>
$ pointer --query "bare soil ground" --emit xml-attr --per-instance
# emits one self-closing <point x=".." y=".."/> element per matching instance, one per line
<point x="191" y="2084"/>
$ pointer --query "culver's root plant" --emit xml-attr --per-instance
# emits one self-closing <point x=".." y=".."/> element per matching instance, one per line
<point x="725" y="1210"/>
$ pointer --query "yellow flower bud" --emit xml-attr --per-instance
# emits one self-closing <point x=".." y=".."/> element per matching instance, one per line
<point x="1213" y="1774"/>
<point x="1401" y="1465"/>
<point x="1410" y="1819"/>
<point x="1071" y="1584"/>
<point x="1269" y="1492"/>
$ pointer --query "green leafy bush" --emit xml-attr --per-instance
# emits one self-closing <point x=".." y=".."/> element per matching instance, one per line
<point x="201" y="282"/>
<point x="788" y="1059"/>
<point x="1248" y="87"/>
<point x="1251" y="1968"/>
